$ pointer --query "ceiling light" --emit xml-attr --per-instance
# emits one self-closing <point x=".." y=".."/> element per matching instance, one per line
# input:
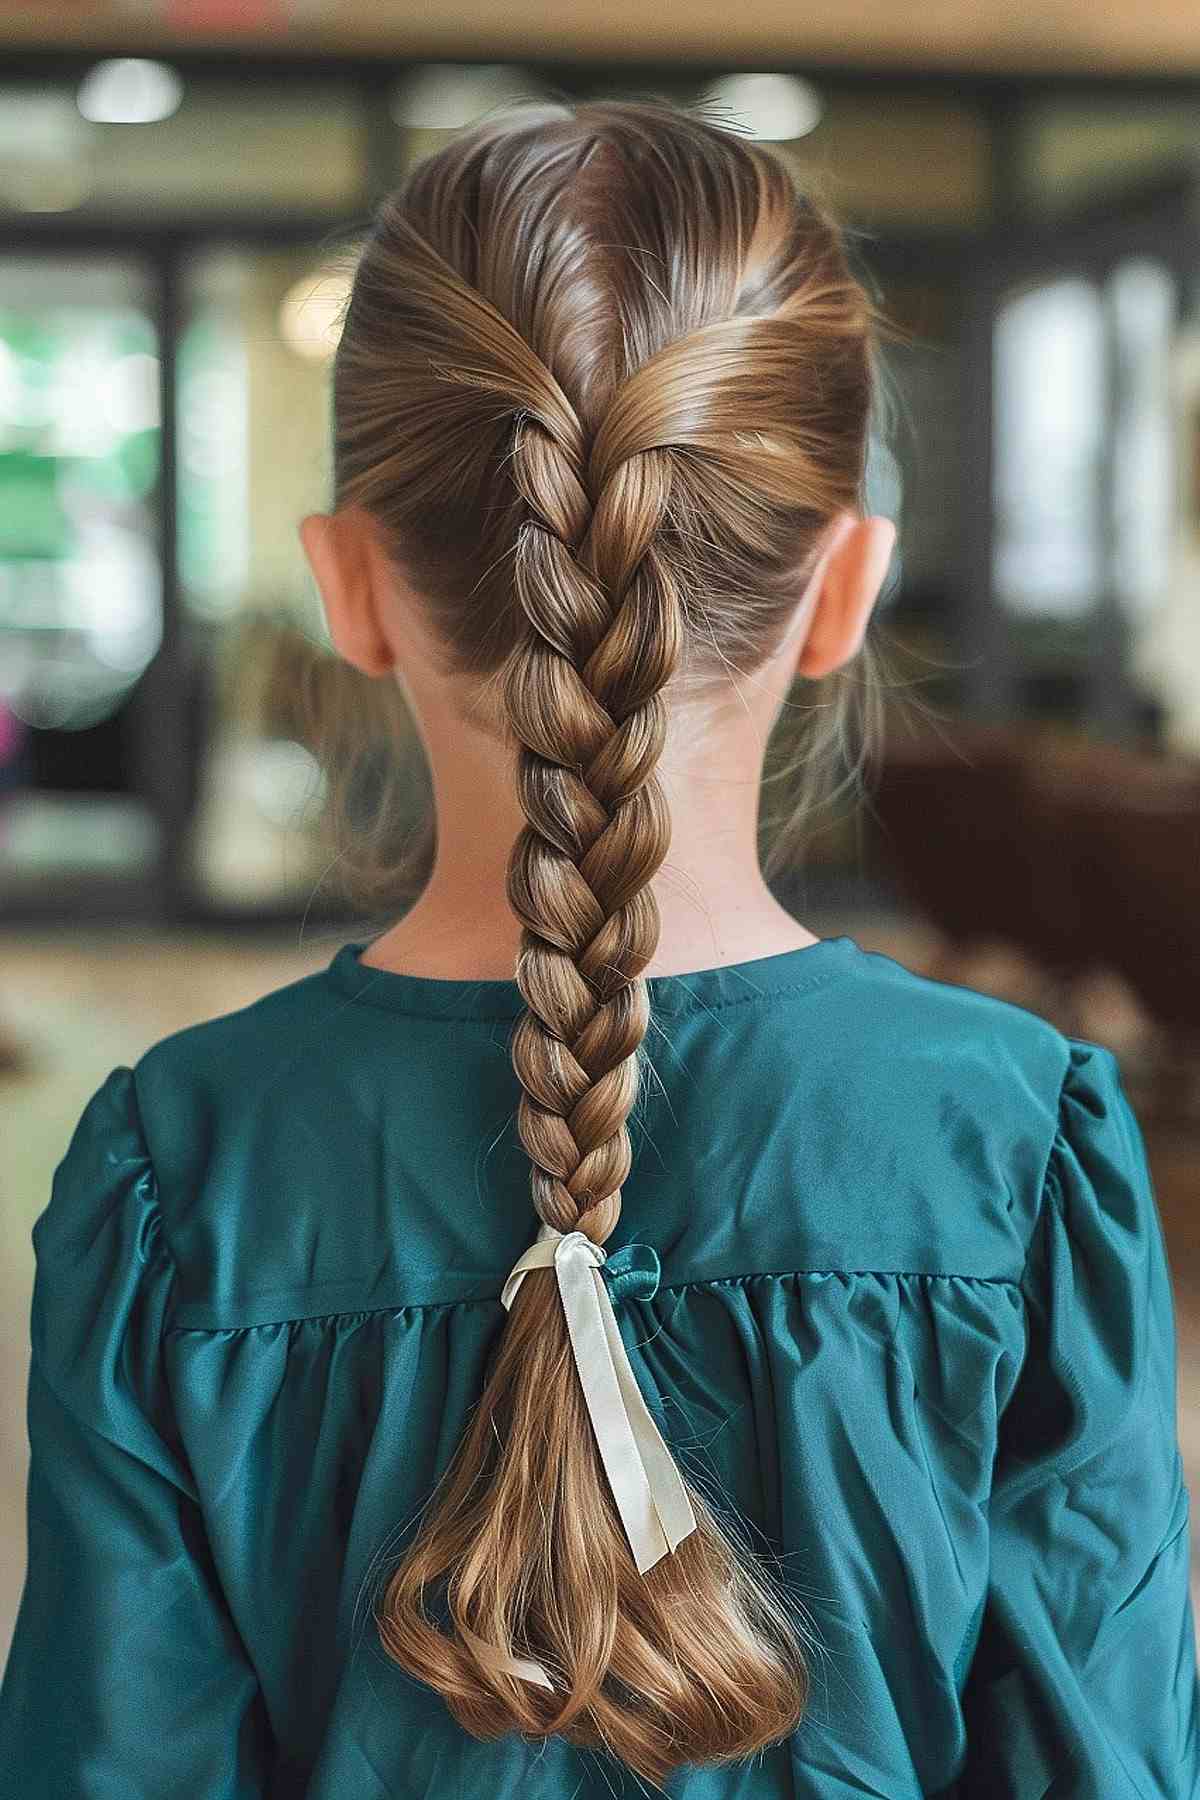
<point x="771" y="107"/>
<point x="129" y="91"/>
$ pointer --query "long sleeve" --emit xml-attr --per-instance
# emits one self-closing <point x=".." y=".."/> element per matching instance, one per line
<point x="126" y="1674"/>
<point x="1084" y="1682"/>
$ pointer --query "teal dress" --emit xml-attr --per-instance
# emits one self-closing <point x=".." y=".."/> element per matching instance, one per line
<point x="912" y="1332"/>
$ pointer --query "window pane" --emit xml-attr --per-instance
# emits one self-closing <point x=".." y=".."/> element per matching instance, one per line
<point x="80" y="576"/>
<point x="254" y="458"/>
<point x="1078" y="148"/>
<point x="1049" y="400"/>
<point x="899" y="158"/>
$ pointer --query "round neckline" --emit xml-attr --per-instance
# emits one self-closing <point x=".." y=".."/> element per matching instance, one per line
<point x="432" y="996"/>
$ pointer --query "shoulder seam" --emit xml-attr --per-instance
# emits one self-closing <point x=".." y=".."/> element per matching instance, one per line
<point x="139" y="1120"/>
<point x="1072" y="1044"/>
<point x="1044" y="1179"/>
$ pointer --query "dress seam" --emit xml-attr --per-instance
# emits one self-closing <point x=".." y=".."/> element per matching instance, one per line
<point x="672" y="1287"/>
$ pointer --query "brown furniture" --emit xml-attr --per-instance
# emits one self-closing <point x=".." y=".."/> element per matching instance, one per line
<point x="1084" y="856"/>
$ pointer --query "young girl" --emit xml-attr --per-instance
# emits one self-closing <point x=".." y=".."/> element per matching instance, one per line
<point x="809" y="1427"/>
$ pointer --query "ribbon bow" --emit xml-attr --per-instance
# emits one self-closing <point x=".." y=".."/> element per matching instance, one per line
<point x="647" y="1487"/>
<point x="632" y="1272"/>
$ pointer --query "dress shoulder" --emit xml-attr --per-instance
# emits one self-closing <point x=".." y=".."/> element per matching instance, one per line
<point x="1098" y="1276"/>
<point x="104" y="1277"/>
<point x="1085" y="1676"/>
<point x="1097" y="1279"/>
<point x="122" y="1621"/>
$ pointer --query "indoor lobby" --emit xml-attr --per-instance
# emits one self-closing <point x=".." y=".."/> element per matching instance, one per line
<point x="182" y="191"/>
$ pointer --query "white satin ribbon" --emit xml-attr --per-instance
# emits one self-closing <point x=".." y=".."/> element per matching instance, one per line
<point x="646" y="1485"/>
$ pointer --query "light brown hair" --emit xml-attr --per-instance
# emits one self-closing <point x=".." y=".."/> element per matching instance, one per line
<point x="604" y="378"/>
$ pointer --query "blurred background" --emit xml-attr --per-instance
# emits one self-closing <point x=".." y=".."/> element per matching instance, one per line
<point x="181" y="185"/>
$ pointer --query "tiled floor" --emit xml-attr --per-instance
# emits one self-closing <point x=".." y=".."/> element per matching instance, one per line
<point x="81" y="1003"/>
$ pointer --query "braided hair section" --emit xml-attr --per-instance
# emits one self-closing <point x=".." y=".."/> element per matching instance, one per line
<point x="584" y="696"/>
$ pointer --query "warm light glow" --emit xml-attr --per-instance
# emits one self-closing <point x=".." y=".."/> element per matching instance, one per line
<point x="311" y="311"/>
<point x="447" y="96"/>
<point x="774" y="108"/>
<point x="129" y="91"/>
<point x="285" y="781"/>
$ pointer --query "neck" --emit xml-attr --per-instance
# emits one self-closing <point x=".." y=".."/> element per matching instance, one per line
<point x="714" y="904"/>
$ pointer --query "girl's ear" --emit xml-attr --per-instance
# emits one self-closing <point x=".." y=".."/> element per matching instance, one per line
<point x="337" y="551"/>
<point x="855" y="564"/>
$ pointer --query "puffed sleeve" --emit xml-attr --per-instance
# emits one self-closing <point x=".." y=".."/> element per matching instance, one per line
<point x="126" y="1675"/>
<point x="1084" y="1681"/>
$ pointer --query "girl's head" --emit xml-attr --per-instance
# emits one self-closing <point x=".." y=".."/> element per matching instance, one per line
<point x="601" y="408"/>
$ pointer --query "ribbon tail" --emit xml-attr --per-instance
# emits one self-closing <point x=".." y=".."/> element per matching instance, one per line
<point x="667" y="1493"/>
<point x="644" y="1497"/>
<point x="499" y="1662"/>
